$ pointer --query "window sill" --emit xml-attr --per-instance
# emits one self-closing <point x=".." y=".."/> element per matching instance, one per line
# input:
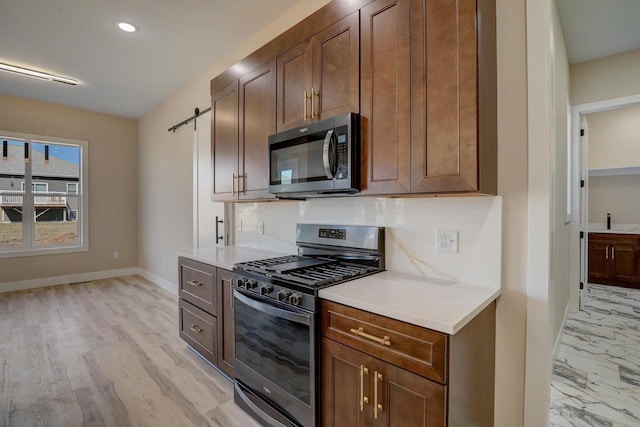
<point x="43" y="251"/>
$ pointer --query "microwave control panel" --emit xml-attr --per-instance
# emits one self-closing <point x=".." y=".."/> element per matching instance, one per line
<point x="342" y="157"/>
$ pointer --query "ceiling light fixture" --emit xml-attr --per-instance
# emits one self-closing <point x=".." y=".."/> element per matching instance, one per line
<point x="126" y="27"/>
<point x="37" y="74"/>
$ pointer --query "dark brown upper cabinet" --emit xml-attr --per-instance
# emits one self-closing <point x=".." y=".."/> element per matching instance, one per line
<point x="319" y="78"/>
<point x="428" y="88"/>
<point x="243" y="118"/>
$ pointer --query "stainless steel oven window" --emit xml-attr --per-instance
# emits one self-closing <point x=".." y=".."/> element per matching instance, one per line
<point x="275" y="343"/>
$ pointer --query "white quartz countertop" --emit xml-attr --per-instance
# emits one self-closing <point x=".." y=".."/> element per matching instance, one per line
<point x="226" y="256"/>
<point x="441" y="305"/>
<point x="616" y="231"/>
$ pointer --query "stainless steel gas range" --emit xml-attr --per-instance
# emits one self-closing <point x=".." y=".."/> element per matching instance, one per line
<point x="276" y="319"/>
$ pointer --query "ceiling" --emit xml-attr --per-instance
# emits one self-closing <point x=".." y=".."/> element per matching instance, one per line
<point x="120" y="73"/>
<point x="597" y="28"/>
<point x="129" y="74"/>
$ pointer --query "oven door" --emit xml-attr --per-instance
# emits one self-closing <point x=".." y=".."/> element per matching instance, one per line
<point x="274" y="355"/>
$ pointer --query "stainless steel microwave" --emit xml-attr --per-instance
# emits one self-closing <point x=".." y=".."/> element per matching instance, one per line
<point x="318" y="159"/>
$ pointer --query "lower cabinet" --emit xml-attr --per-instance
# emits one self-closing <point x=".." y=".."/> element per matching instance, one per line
<point x="614" y="259"/>
<point x="206" y="312"/>
<point x="378" y="371"/>
<point x="360" y="390"/>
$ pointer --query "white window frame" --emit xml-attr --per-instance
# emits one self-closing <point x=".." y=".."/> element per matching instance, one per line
<point x="82" y="217"/>
<point x="75" y="191"/>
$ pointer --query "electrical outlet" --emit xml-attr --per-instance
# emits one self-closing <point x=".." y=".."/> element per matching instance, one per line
<point x="260" y="227"/>
<point x="447" y="241"/>
<point x="239" y="226"/>
<point x="116" y="255"/>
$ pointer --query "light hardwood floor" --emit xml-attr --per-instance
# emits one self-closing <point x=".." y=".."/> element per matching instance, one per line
<point x="105" y="353"/>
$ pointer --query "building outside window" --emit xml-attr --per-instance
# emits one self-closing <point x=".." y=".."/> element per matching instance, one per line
<point x="43" y="198"/>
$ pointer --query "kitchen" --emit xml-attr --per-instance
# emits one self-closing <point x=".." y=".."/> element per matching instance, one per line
<point x="161" y="164"/>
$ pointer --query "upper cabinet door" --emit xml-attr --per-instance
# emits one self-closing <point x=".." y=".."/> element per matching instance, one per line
<point x="385" y="97"/>
<point x="257" y="121"/>
<point x="335" y="87"/>
<point x="294" y="85"/>
<point x="319" y="78"/>
<point x="444" y="90"/>
<point x="224" y="142"/>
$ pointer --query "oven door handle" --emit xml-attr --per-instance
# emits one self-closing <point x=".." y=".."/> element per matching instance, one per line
<point x="304" y="319"/>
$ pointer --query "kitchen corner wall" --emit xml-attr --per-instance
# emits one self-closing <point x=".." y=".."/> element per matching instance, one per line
<point x="410" y="231"/>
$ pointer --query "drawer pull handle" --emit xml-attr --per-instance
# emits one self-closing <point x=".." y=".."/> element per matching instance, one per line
<point x="377" y="407"/>
<point x="363" y="399"/>
<point x="195" y="329"/>
<point x="194" y="283"/>
<point x="360" y="332"/>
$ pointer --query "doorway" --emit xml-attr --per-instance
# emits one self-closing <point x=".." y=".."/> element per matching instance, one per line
<point x="580" y="156"/>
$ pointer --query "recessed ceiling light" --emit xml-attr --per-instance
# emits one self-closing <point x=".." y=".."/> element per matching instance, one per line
<point x="126" y="27"/>
<point x="37" y="74"/>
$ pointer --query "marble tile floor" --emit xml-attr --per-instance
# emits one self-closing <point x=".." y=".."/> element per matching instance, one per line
<point x="596" y="376"/>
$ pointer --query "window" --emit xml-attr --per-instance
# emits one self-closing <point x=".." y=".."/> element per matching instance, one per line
<point x="43" y="199"/>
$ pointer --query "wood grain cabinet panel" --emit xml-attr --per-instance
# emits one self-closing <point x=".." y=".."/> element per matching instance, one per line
<point x="407" y="399"/>
<point x="391" y="373"/>
<point x="346" y="384"/>
<point x="409" y="346"/>
<point x="428" y="96"/>
<point x="444" y="86"/>
<point x="206" y="313"/>
<point x="224" y="142"/>
<point x="614" y="259"/>
<point x="385" y="97"/>
<point x="199" y="329"/>
<point x="319" y="78"/>
<point x="198" y="284"/>
<point x="257" y="120"/>
<point x="226" y="331"/>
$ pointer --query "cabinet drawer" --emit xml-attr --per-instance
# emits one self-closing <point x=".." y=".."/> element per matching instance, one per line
<point x="416" y="349"/>
<point x="199" y="329"/>
<point x="197" y="284"/>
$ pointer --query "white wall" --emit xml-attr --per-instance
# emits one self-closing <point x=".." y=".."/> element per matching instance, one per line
<point x="113" y="190"/>
<point x="606" y="78"/>
<point x="617" y="195"/>
<point x="564" y="273"/>
<point x="614" y="138"/>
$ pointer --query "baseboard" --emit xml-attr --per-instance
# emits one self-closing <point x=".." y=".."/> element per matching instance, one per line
<point x="556" y="344"/>
<point x="163" y="283"/>
<point x="63" y="280"/>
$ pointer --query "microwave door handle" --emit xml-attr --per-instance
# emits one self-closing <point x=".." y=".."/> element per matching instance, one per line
<point x="325" y="154"/>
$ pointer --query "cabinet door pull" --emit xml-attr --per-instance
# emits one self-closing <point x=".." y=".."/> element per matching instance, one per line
<point x="606" y="252"/>
<point x="613" y="252"/>
<point x="360" y="332"/>
<point x="377" y="407"/>
<point x="194" y="283"/>
<point x="315" y="93"/>
<point x="195" y="329"/>
<point x="244" y="183"/>
<point x="306" y="97"/>
<point x="363" y="399"/>
<point x="233" y="184"/>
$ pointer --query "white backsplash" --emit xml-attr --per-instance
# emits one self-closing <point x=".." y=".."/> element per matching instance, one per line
<point x="410" y="226"/>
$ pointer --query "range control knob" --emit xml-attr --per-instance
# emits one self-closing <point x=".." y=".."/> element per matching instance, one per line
<point x="240" y="283"/>
<point x="266" y="289"/>
<point x="295" y="299"/>
<point x="250" y="284"/>
<point x="283" y="295"/>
